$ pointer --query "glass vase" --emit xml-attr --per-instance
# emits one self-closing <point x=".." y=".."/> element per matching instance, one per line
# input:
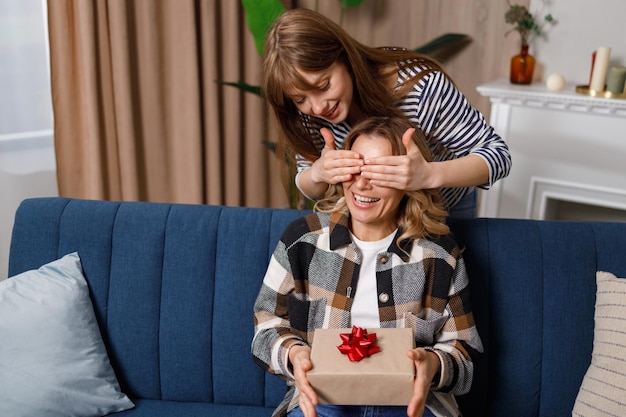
<point x="522" y="67"/>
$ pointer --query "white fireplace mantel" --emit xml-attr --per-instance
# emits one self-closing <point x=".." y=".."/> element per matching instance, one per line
<point x="502" y="92"/>
<point x="566" y="147"/>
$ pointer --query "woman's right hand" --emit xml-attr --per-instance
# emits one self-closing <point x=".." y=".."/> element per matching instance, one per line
<point x="334" y="166"/>
<point x="300" y="358"/>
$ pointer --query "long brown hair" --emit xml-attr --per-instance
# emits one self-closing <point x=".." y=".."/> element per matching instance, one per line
<point x="422" y="212"/>
<point x="302" y="39"/>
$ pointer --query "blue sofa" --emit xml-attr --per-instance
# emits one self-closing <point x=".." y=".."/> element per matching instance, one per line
<point x="173" y="288"/>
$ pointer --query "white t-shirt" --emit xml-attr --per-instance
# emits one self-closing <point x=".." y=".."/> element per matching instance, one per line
<point x="365" y="303"/>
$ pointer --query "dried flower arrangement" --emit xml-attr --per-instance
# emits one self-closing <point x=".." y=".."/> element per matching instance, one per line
<point x="525" y="22"/>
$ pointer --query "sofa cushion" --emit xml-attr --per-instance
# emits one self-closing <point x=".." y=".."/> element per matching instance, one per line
<point x="603" y="390"/>
<point x="53" y="361"/>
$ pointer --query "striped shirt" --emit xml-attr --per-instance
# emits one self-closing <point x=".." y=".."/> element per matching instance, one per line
<point x="311" y="281"/>
<point x="447" y="119"/>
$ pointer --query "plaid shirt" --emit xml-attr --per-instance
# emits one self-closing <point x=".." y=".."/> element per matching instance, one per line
<point x="313" y="275"/>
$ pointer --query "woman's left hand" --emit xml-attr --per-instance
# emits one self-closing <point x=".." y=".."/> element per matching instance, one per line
<point x="402" y="172"/>
<point x="427" y="365"/>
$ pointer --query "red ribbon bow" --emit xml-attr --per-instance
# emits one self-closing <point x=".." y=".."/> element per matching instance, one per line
<point x="358" y="344"/>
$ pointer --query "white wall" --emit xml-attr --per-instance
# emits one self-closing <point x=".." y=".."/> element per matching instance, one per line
<point x="582" y="27"/>
<point x="27" y="169"/>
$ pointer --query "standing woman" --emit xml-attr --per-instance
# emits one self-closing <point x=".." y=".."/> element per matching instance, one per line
<point x="320" y="81"/>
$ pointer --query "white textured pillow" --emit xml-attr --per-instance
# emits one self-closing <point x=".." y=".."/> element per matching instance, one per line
<point x="52" y="358"/>
<point x="603" y="390"/>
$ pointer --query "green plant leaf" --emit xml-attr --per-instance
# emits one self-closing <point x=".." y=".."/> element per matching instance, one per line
<point x="260" y="14"/>
<point x="444" y="46"/>
<point x="244" y="87"/>
<point x="346" y="4"/>
<point x="272" y="146"/>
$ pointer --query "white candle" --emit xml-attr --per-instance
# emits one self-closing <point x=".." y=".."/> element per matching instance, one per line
<point x="600" y="68"/>
<point x="555" y="82"/>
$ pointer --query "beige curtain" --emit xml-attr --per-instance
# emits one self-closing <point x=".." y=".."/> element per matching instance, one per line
<point x="138" y="114"/>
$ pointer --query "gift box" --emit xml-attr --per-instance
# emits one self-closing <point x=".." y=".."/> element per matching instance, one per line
<point x="384" y="377"/>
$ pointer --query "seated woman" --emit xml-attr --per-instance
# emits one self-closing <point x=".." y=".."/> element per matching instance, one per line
<point x="370" y="256"/>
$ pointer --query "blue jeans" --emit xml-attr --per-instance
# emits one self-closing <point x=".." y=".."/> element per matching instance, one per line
<point x="467" y="208"/>
<point x="358" y="411"/>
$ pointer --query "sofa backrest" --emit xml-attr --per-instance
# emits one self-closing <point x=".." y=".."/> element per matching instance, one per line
<point x="533" y="294"/>
<point x="173" y="287"/>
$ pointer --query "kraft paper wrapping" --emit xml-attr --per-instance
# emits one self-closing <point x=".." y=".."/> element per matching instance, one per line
<point x="384" y="378"/>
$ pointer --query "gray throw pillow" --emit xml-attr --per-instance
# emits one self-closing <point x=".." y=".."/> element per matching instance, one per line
<point x="53" y="361"/>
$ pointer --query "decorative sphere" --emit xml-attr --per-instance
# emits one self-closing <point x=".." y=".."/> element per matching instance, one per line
<point x="555" y="82"/>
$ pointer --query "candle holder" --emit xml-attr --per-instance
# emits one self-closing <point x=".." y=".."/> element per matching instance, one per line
<point x="584" y="89"/>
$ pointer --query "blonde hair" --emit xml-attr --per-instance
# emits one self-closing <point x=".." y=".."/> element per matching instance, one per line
<point x="422" y="212"/>
<point x="301" y="39"/>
